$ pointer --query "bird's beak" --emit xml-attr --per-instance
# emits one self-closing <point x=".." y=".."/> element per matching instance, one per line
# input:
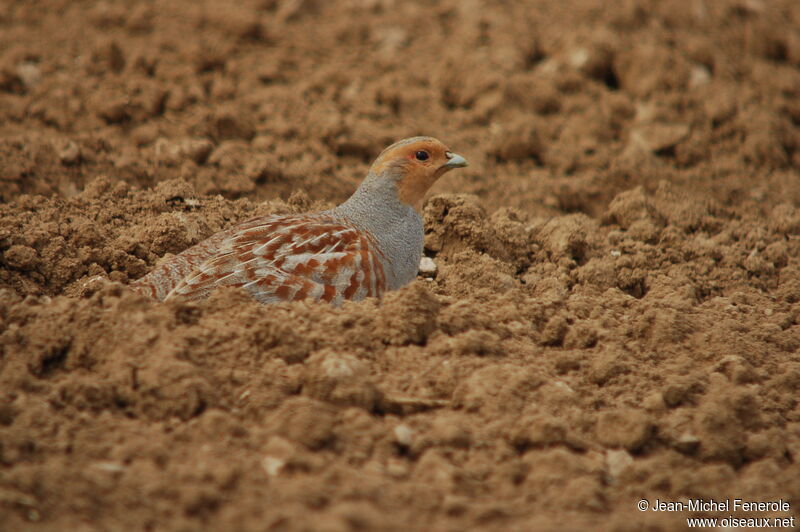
<point x="454" y="160"/>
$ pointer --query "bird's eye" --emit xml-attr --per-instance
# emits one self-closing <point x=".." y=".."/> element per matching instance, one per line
<point x="422" y="155"/>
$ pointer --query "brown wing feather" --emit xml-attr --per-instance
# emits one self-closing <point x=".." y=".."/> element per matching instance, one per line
<point x="276" y="259"/>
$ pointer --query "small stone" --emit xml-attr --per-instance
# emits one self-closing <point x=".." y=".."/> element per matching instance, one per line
<point x="30" y="74"/>
<point x="617" y="460"/>
<point x="404" y="435"/>
<point x="687" y="443"/>
<point x="699" y="76"/>
<point x="427" y="267"/>
<point x="70" y="154"/>
<point x="340" y="379"/>
<point x="595" y="62"/>
<point x="658" y="137"/>
<point x="272" y="465"/>
<point x="578" y="57"/>
<point x="110" y="467"/>
<point x="277" y="452"/>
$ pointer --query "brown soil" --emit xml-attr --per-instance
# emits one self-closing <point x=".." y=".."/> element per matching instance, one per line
<point x="616" y="312"/>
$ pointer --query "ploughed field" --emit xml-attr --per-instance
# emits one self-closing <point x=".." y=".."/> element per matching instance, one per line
<point x="613" y="316"/>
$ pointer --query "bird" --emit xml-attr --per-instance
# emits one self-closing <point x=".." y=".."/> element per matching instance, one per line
<point x="364" y="247"/>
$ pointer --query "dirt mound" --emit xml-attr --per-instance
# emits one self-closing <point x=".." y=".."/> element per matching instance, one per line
<point x="614" y="313"/>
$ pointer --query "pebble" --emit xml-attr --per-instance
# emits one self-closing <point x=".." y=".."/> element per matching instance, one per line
<point x="617" y="460"/>
<point x="427" y="267"/>
<point x="687" y="443"/>
<point x="70" y="154"/>
<point x="30" y="74"/>
<point x="404" y="435"/>
<point x="657" y="137"/>
<point x="699" y="76"/>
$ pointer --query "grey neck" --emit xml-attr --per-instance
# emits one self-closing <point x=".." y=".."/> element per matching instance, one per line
<point x="397" y="227"/>
<point x="374" y="206"/>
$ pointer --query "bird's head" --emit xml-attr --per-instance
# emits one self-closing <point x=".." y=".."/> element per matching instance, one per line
<point x="414" y="165"/>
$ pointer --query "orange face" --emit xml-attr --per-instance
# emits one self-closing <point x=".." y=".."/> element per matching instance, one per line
<point x="418" y="162"/>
